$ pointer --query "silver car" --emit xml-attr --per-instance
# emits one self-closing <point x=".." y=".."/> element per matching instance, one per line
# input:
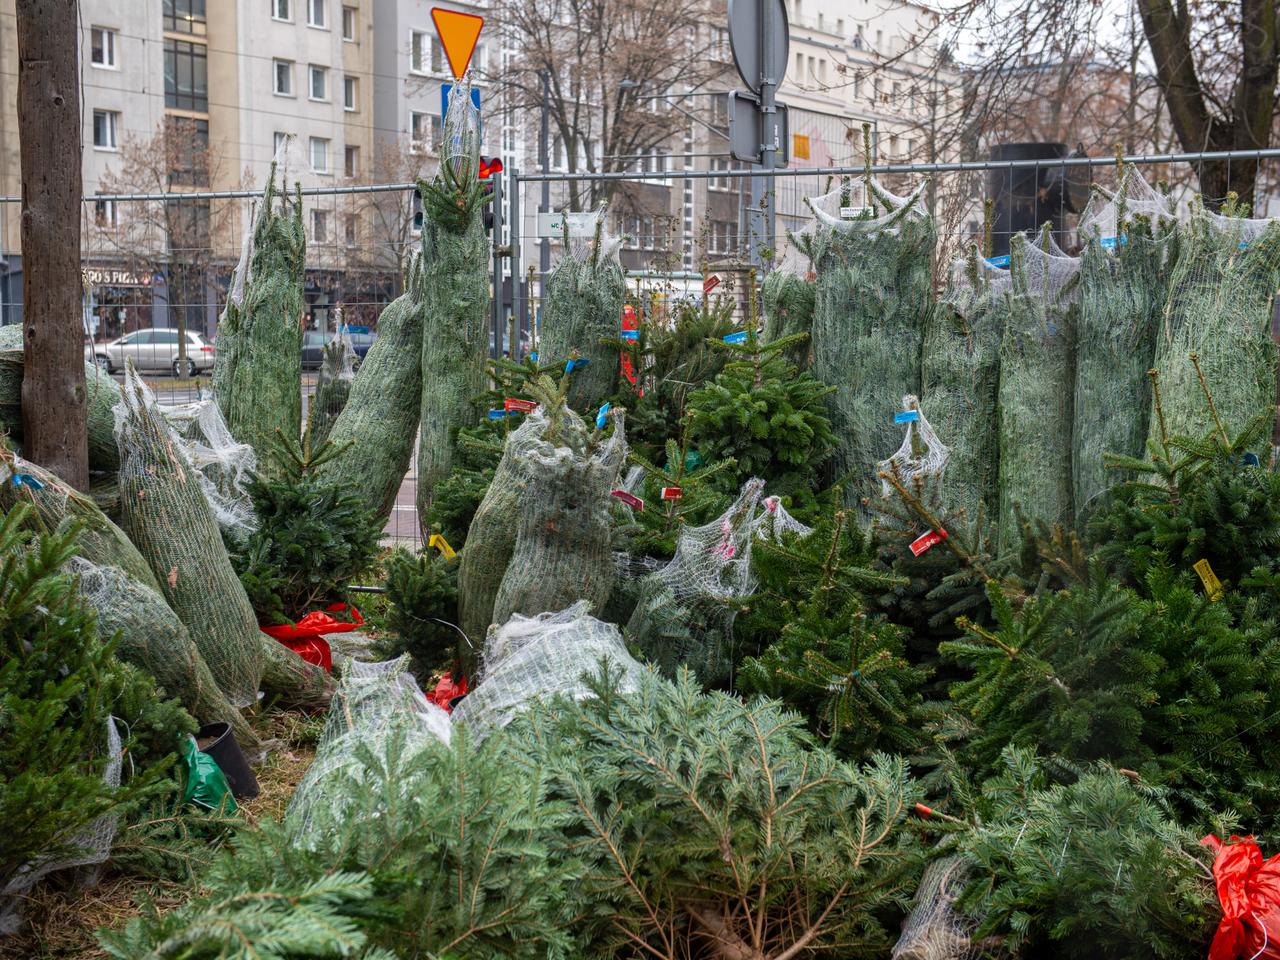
<point x="153" y="350"/>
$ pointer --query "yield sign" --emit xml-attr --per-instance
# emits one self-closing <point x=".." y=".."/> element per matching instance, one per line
<point x="458" y="35"/>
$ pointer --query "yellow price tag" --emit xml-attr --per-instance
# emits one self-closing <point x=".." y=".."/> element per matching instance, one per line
<point x="1212" y="585"/>
<point x="440" y="543"/>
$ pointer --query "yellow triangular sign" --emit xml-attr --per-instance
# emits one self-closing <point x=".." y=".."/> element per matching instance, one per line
<point x="458" y="35"/>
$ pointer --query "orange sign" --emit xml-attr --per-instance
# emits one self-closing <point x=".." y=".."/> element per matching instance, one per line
<point x="800" y="146"/>
<point x="458" y="35"/>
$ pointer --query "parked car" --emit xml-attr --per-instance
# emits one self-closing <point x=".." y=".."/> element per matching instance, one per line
<point x="313" y="342"/>
<point x="152" y="350"/>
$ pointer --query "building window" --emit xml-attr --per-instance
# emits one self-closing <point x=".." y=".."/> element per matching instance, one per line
<point x="425" y="53"/>
<point x="724" y="236"/>
<point x="720" y="110"/>
<point x="105" y="124"/>
<point x="283" y="70"/>
<point x="319" y="154"/>
<point x="319" y="225"/>
<point x="351" y="161"/>
<point x="317" y="13"/>
<point x="104" y="213"/>
<point x="184" y="16"/>
<point x="102" y="46"/>
<point x="189" y="149"/>
<point x="349" y="24"/>
<point x="348" y="93"/>
<point x="350" y="227"/>
<point x="186" y="75"/>
<point x="720" y="183"/>
<point x="318" y="83"/>
<point x="278" y="141"/>
<point x="280" y="10"/>
<point x="424" y="131"/>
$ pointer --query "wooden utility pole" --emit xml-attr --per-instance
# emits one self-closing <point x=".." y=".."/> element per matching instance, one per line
<point x="53" y="386"/>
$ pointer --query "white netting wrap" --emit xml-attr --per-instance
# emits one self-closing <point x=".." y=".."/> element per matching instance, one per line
<point x="774" y="522"/>
<point x="374" y="703"/>
<point x="797" y="252"/>
<point x="934" y="930"/>
<point x="845" y="211"/>
<point x="686" y="610"/>
<point x="1107" y="211"/>
<point x="222" y="464"/>
<point x="460" y="147"/>
<point x="93" y="843"/>
<point x="528" y="658"/>
<point x="288" y="162"/>
<point x="921" y="460"/>
<point x="333" y="383"/>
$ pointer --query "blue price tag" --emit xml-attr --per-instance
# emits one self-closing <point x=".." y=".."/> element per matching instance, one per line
<point x="907" y="416"/>
<point x="630" y="334"/>
<point x="1251" y="460"/>
<point x="739" y="337"/>
<point x="577" y="364"/>
<point x="998" y="261"/>
<point x="499" y="414"/>
<point x="1109" y="243"/>
<point x="602" y="417"/>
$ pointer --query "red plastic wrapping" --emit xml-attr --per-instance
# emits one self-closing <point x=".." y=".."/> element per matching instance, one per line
<point x="446" y="690"/>
<point x="306" y="637"/>
<point x="1249" y="892"/>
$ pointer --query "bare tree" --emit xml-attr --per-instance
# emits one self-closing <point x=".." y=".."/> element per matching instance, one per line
<point x="53" y="389"/>
<point x="174" y="238"/>
<point x="388" y="221"/>
<point x="613" y="75"/>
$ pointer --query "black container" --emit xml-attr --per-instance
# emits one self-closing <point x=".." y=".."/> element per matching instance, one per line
<point x="1025" y="198"/>
<point x="230" y="759"/>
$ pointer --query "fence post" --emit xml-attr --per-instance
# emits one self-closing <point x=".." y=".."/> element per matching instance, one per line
<point x="495" y="302"/>
<point x="513" y="238"/>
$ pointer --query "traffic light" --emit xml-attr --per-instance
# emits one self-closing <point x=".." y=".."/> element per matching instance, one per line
<point x="488" y="167"/>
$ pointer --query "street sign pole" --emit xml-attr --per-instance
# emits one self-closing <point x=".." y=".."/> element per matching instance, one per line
<point x="762" y="188"/>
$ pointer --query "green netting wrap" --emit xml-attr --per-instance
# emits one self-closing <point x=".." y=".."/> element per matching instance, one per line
<point x="376" y="429"/>
<point x="685" y="612"/>
<point x="491" y="538"/>
<point x="1219" y="307"/>
<point x="874" y="292"/>
<point x="582" y="307"/>
<point x="456" y="294"/>
<point x="153" y="639"/>
<point x="60" y="506"/>
<point x="102" y="393"/>
<point x="789" y="295"/>
<point x="562" y="550"/>
<point x="960" y="377"/>
<point x="257" y="373"/>
<point x="165" y="513"/>
<point x="1036" y="388"/>
<point x="1129" y="246"/>
<point x="333" y="386"/>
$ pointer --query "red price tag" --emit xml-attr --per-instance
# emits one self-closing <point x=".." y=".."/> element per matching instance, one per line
<point x="672" y="493"/>
<point x="926" y="540"/>
<point x="524" y="406"/>
<point x="635" y="503"/>
<point x="710" y="283"/>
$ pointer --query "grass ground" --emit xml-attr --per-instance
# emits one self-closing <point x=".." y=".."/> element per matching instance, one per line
<point x="63" y="918"/>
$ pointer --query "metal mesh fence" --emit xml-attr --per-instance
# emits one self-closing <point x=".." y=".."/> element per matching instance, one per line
<point x="155" y="264"/>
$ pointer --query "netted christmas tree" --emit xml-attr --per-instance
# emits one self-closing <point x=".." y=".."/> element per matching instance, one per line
<point x="685" y="612"/>
<point x="101" y="394"/>
<point x="1036" y="387"/>
<point x="333" y="386"/>
<point x="790" y="294"/>
<point x="1130" y="246"/>
<point x="1219" y="308"/>
<point x="374" y="434"/>
<point x="960" y="377"/>
<point x="455" y="293"/>
<point x="257" y="373"/>
<point x="875" y="291"/>
<point x="581" y="310"/>
<point x="167" y="516"/>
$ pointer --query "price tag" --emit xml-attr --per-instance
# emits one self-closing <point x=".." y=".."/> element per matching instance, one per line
<point x="998" y="261"/>
<point x="672" y="493"/>
<point x="630" y="334"/>
<point x="739" y="337"/>
<point x="635" y="503"/>
<point x="1109" y="243"/>
<point x="1212" y="585"/>
<point x="602" y="416"/>
<point x="438" y="541"/>
<point x="497" y="414"/>
<point x="710" y="283"/>
<point x="926" y="540"/>
<point x="852" y="213"/>
<point x="907" y="416"/>
<point x="519" y="406"/>
<point x="576" y="364"/>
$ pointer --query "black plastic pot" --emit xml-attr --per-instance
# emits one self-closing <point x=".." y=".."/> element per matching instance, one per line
<point x="229" y="757"/>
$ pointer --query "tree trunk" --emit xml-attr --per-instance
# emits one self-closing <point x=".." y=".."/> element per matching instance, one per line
<point x="53" y="388"/>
